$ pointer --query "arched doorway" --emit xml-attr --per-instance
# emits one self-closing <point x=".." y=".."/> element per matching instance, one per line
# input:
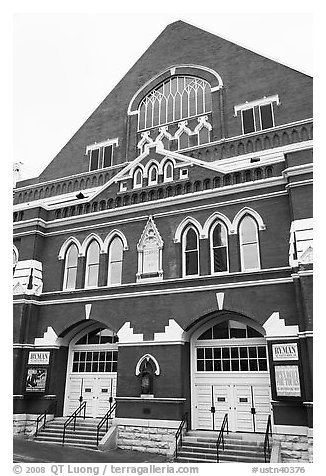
<point x="92" y="371"/>
<point x="229" y="369"/>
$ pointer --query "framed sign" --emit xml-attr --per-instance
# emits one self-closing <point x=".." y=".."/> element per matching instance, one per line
<point x="38" y="358"/>
<point x="285" y="351"/>
<point x="36" y="379"/>
<point x="287" y="381"/>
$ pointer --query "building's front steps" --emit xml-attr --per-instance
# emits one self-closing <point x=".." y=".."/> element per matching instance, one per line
<point x="84" y="436"/>
<point x="200" y="447"/>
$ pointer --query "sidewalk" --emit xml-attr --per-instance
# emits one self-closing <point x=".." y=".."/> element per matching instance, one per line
<point x="28" y="451"/>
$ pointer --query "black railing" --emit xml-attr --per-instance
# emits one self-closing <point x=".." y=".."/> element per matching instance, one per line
<point x="178" y="435"/>
<point x="220" y="438"/>
<point x="267" y="443"/>
<point x="105" y="420"/>
<point x="51" y="409"/>
<point x="72" y="418"/>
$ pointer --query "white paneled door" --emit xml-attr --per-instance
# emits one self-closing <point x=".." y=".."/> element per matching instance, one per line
<point x="96" y="391"/>
<point x="247" y="406"/>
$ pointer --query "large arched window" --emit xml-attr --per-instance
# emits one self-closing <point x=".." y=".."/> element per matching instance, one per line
<point x="249" y="245"/>
<point x="115" y="261"/>
<point x="219" y="248"/>
<point x="190" y="253"/>
<point x="92" y="264"/>
<point x="177" y="98"/>
<point x="70" y="273"/>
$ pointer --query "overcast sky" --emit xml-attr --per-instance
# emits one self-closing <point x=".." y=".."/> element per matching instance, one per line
<point x="65" y="63"/>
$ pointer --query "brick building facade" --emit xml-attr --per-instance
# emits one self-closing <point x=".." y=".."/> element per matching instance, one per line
<point x="164" y="257"/>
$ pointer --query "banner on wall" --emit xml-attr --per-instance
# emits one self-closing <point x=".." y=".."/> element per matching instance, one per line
<point x="287" y="381"/>
<point x="36" y="379"/>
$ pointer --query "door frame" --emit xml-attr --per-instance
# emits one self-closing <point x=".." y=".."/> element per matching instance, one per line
<point x="224" y="377"/>
<point x="90" y="347"/>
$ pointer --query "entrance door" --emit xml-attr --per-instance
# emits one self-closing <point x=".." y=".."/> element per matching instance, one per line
<point x="247" y="406"/>
<point x="96" y="391"/>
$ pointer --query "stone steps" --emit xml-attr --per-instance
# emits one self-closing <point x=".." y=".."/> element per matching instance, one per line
<point x="84" y="435"/>
<point x="200" y="447"/>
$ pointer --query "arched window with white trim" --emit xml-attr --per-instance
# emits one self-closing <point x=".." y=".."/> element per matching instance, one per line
<point x="168" y="172"/>
<point x="190" y="252"/>
<point x="219" y="248"/>
<point x="115" y="261"/>
<point x="92" y="264"/>
<point x="152" y="175"/>
<point x="15" y="258"/>
<point x="249" y="244"/>
<point x="70" y="272"/>
<point x="138" y="178"/>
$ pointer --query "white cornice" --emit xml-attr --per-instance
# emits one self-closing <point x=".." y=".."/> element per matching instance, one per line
<point x="297" y="170"/>
<point x="69" y="177"/>
<point x="143" y="208"/>
<point x="156" y="292"/>
<point x="300" y="183"/>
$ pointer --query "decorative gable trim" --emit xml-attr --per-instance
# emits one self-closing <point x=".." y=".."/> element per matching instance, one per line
<point x="149" y="249"/>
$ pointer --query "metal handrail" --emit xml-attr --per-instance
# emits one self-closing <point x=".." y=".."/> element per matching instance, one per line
<point x="52" y="406"/>
<point x="178" y="434"/>
<point x="73" y="417"/>
<point x="105" y="419"/>
<point x="268" y="435"/>
<point x="220" y="438"/>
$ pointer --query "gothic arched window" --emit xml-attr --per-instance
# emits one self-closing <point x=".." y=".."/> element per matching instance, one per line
<point x="115" y="261"/>
<point x="249" y="244"/>
<point x="219" y="248"/>
<point x="190" y="253"/>
<point x="92" y="264"/>
<point x="70" y="273"/>
<point x="176" y="98"/>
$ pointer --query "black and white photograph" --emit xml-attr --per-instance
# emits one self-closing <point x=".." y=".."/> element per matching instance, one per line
<point x="162" y="238"/>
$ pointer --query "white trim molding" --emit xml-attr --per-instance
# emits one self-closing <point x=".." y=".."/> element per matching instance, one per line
<point x="256" y="102"/>
<point x="184" y="224"/>
<point x="247" y="211"/>
<point x="88" y="240"/>
<point x="111" y="236"/>
<point x="147" y="357"/>
<point x="69" y="241"/>
<point x="216" y="216"/>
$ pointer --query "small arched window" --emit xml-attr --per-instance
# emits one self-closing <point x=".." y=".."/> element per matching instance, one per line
<point x="168" y="172"/>
<point x="70" y="273"/>
<point x="152" y="175"/>
<point x="249" y="245"/>
<point x="115" y="261"/>
<point x="138" y="178"/>
<point x="92" y="264"/>
<point x="190" y="252"/>
<point x="219" y="248"/>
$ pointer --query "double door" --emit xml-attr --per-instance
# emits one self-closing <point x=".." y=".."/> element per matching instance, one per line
<point x="247" y="406"/>
<point x="98" y="391"/>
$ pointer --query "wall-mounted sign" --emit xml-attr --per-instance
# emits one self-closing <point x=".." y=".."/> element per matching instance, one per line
<point x="39" y="358"/>
<point x="285" y="351"/>
<point x="36" y="379"/>
<point x="287" y="381"/>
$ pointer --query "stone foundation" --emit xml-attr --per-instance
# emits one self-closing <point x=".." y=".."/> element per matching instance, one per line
<point x="148" y="439"/>
<point x="295" y="448"/>
<point x="24" y="424"/>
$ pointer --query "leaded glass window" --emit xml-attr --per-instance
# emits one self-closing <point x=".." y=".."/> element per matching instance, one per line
<point x="251" y="358"/>
<point x="175" y="99"/>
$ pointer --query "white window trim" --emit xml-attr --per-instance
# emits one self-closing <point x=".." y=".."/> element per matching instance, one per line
<point x="257" y="102"/>
<point x="165" y="178"/>
<point x="109" y="262"/>
<point x="242" y="124"/>
<point x="243" y="269"/>
<point x="182" y="176"/>
<point x="64" y="285"/>
<point x="139" y="185"/>
<point x="87" y="267"/>
<point x="219" y="273"/>
<point x="273" y="119"/>
<point x="149" y="173"/>
<point x="100" y="146"/>
<point x="185" y="232"/>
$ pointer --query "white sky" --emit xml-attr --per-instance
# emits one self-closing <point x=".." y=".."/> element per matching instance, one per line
<point x="66" y="63"/>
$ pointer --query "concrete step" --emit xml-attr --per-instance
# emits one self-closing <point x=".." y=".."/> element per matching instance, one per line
<point x="230" y="450"/>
